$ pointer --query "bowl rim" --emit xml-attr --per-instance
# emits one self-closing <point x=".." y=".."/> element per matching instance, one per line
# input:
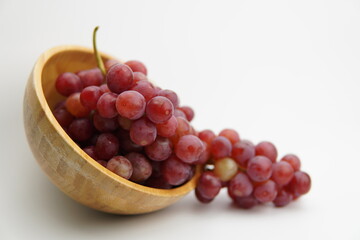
<point x="37" y="81"/>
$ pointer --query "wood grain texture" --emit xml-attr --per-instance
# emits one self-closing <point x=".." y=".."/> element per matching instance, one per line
<point x="67" y="166"/>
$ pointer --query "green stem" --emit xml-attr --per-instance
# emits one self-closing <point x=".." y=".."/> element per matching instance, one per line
<point x="99" y="60"/>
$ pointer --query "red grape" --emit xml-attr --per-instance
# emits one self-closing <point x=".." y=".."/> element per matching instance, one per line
<point x="120" y="166"/>
<point x="159" y="109"/>
<point x="68" y="83"/>
<point x="230" y="134"/>
<point x="142" y="168"/>
<point x="143" y="132"/>
<point x="259" y="168"/>
<point x="138" y="76"/>
<point x="157" y="182"/>
<point x="266" y="192"/>
<point x="104" y="88"/>
<point x="91" y="77"/>
<point x="119" y="78"/>
<point x="221" y="147"/>
<point x="282" y="173"/>
<point x="131" y="105"/>
<point x="208" y="186"/>
<point x="266" y="149"/>
<point x="245" y="202"/>
<point x="189" y="148"/>
<point x="242" y="153"/>
<point x="293" y="160"/>
<point x="171" y="95"/>
<point x="174" y="171"/>
<point x="106" y="105"/>
<point x="283" y="198"/>
<point x="124" y="123"/>
<point x="105" y="124"/>
<point x="63" y="117"/>
<point x="102" y="162"/>
<point x="168" y="128"/>
<point x="90" y="150"/>
<point x="300" y="183"/>
<point x="240" y="186"/>
<point x="189" y="112"/>
<point x="201" y="198"/>
<point x="81" y="129"/>
<point x="109" y="63"/>
<point x="159" y="150"/>
<point x="179" y="113"/>
<point x="107" y="146"/>
<point x="207" y="136"/>
<point x="74" y="106"/>
<point x="145" y="88"/>
<point x="89" y="96"/>
<point x="137" y="66"/>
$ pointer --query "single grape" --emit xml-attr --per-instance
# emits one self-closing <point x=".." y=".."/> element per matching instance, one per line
<point x="142" y="168"/>
<point x="293" y="160"/>
<point x="201" y="198"/>
<point x="107" y="146"/>
<point x="105" y="124"/>
<point x="207" y="136"/>
<point x="119" y="78"/>
<point x="124" y="123"/>
<point x="160" y="149"/>
<point x="242" y="152"/>
<point x="245" y="202"/>
<point x="104" y="88"/>
<point x="300" y="183"/>
<point x="90" y="150"/>
<point x="159" y="109"/>
<point x="106" y="105"/>
<point x="91" y="77"/>
<point x="120" y="166"/>
<point x="282" y="173"/>
<point x="266" y="192"/>
<point x="266" y="149"/>
<point x="131" y="105"/>
<point x="143" y="132"/>
<point x="171" y="95"/>
<point x="221" y="147"/>
<point x="230" y="134"/>
<point x="282" y="199"/>
<point x="81" y="129"/>
<point x="208" y="186"/>
<point x="168" y="128"/>
<point x="89" y="96"/>
<point x="179" y="113"/>
<point x="137" y="66"/>
<point x="259" y="168"/>
<point x="240" y="185"/>
<point x="189" y="149"/>
<point x="225" y="168"/>
<point x="174" y="171"/>
<point x="63" y="117"/>
<point x="189" y="112"/>
<point x="68" y="83"/>
<point x="145" y="88"/>
<point x="74" y="106"/>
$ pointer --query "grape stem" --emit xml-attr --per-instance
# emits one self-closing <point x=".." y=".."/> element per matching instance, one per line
<point x="99" y="60"/>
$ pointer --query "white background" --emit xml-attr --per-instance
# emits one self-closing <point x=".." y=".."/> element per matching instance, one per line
<point x="284" y="71"/>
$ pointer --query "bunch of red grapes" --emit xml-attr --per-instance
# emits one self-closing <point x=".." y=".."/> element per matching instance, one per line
<point x="140" y="132"/>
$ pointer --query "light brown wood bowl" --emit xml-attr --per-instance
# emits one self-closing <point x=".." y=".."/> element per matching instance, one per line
<point x="66" y="164"/>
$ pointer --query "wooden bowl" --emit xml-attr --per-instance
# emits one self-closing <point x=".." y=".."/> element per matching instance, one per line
<point x="66" y="164"/>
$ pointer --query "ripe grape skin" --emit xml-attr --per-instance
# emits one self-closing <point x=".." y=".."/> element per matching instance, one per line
<point x="282" y="173"/>
<point x="120" y="166"/>
<point x="221" y="147"/>
<point x="240" y="186"/>
<point x="171" y="95"/>
<point x="106" y="105"/>
<point x="91" y="77"/>
<point x="207" y="136"/>
<point x="157" y="182"/>
<point x="138" y="76"/>
<point x="145" y="88"/>
<point x="124" y="123"/>
<point x="109" y="63"/>
<point x="266" y="149"/>
<point x="126" y="145"/>
<point x="225" y="168"/>
<point x="107" y="146"/>
<point x="189" y="112"/>
<point x="205" y="156"/>
<point x="105" y="124"/>
<point x="90" y="150"/>
<point x="131" y="105"/>
<point x="174" y="171"/>
<point x="293" y="160"/>
<point x="160" y="149"/>
<point x="102" y="162"/>
<point x="201" y="198"/>
<point x="137" y="66"/>
<point x="168" y="128"/>
<point x="104" y="88"/>
<point x="245" y="202"/>
<point x="142" y="168"/>
<point x="63" y="117"/>
<point x="230" y="134"/>
<point x="189" y="149"/>
<point x="143" y="132"/>
<point x="74" y="106"/>
<point x="159" y="109"/>
<point x="266" y="192"/>
<point x="300" y="183"/>
<point x="119" y="78"/>
<point x="179" y="113"/>
<point x="81" y="129"/>
<point x="208" y="186"/>
<point x="68" y="83"/>
<point x="282" y="199"/>
<point x="242" y="152"/>
<point x="259" y="168"/>
<point x="89" y="97"/>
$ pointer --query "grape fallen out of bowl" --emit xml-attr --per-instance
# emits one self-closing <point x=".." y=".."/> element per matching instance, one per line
<point x="142" y="133"/>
